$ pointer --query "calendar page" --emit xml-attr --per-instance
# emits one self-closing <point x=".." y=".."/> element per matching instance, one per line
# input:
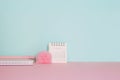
<point x="58" y="52"/>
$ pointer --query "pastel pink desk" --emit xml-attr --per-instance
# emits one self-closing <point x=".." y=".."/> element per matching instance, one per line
<point x="70" y="71"/>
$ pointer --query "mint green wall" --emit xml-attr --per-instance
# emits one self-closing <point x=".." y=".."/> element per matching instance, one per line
<point x="90" y="27"/>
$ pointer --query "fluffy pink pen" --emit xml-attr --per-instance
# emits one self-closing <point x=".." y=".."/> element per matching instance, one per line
<point x="43" y="57"/>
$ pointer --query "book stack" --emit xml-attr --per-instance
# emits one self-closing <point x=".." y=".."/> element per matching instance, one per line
<point x="16" y="61"/>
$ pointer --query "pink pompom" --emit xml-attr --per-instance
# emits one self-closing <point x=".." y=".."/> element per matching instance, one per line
<point x="43" y="58"/>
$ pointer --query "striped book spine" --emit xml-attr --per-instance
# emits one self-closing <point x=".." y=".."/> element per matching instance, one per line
<point x="16" y="61"/>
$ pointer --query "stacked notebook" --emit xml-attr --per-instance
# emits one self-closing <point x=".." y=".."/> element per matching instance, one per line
<point x="16" y="61"/>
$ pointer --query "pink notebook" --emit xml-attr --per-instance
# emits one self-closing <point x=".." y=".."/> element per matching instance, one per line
<point x="12" y="60"/>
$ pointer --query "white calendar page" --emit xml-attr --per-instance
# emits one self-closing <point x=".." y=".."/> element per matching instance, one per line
<point x="58" y="52"/>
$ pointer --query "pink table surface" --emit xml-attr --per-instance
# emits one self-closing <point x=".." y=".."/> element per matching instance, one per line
<point x="69" y="71"/>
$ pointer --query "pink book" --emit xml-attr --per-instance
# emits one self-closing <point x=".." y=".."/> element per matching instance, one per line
<point x="16" y="60"/>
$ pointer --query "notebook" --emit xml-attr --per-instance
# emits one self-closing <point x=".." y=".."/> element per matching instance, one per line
<point x="10" y="61"/>
<point x="58" y="52"/>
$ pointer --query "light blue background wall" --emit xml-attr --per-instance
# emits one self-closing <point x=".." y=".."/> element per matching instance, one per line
<point x="90" y="27"/>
